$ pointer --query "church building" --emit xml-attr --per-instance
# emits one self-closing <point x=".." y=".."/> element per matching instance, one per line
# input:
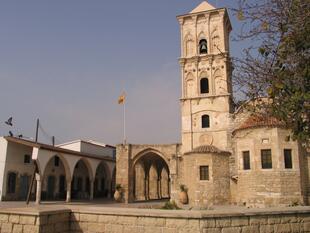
<point x="227" y="156"/>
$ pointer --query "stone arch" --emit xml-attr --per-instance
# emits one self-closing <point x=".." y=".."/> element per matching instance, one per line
<point x="201" y="36"/>
<point x="102" y="181"/>
<point x="54" y="177"/>
<point x="88" y="166"/>
<point x="81" y="180"/>
<point x="219" y="82"/>
<point x="148" y="182"/>
<point x="189" y="85"/>
<point x="189" y="45"/>
<point x="201" y="19"/>
<point x="149" y="151"/>
<point x="63" y="161"/>
<point x="215" y="40"/>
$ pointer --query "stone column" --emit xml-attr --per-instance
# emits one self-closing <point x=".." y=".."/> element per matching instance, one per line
<point x="159" y="188"/>
<point x="91" y="196"/>
<point x="68" y="198"/>
<point x="39" y="188"/>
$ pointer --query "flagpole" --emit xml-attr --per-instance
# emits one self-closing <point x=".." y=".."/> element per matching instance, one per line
<point x="124" y="124"/>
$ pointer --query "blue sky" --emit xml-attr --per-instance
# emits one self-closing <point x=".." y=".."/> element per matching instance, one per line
<point x="66" y="62"/>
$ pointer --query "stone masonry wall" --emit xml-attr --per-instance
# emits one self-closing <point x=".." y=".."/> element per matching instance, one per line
<point x="116" y="220"/>
<point x="263" y="223"/>
<point x="34" y="222"/>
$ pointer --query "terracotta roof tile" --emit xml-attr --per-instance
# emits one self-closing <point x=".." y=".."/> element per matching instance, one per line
<point x="257" y="121"/>
<point x="206" y="149"/>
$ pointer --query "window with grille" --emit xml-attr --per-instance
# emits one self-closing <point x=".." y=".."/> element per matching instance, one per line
<point x="246" y="160"/>
<point x="204" y="172"/>
<point x="266" y="159"/>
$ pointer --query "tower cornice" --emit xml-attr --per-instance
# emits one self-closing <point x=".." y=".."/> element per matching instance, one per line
<point x="205" y="57"/>
<point x="201" y="13"/>
<point x="205" y="97"/>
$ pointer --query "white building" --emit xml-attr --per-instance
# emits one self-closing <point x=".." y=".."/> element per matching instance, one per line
<point x="74" y="170"/>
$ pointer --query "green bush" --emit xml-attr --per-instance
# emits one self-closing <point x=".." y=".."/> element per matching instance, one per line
<point x="170" y="205"/>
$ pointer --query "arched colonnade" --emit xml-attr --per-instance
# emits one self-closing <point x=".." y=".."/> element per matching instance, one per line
<point x="62" y="176"/>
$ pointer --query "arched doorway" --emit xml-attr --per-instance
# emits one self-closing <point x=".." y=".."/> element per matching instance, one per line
<point x="102" y="184"/>
<point x="54" y="180"/>
<point x="81" y="181"/>
<point x="151" y="178"/>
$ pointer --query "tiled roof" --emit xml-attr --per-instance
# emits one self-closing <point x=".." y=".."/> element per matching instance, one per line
<point x="257" y="121"/>
<point x="204" y="6"/>
<point x="206" y="149"/>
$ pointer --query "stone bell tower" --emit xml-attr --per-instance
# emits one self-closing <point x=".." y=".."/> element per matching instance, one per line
<point x="206" y="77"/>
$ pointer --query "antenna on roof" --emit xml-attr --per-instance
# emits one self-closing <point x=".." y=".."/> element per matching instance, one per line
<point x="37" y="130"/>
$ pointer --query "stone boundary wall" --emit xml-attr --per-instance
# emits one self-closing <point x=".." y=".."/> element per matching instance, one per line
<point x="34" y="222"/>
<point x="122" y="220"/>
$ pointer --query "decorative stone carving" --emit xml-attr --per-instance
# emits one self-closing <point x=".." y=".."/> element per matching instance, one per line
<point x="206" y="139"/>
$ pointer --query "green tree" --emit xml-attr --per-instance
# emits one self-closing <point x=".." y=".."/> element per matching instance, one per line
<point x="277" y="65"/>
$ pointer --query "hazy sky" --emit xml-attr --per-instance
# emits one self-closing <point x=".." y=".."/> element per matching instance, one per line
<point x="66" y="62"/>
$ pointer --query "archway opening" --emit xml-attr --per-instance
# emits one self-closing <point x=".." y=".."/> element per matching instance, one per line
<point x="151" y="178"/>
<point x="54" y="180"/>
<point x="102" y="183"/>
<point x="80" y="186"/>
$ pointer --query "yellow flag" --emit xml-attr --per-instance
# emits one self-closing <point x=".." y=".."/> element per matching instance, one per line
<point x="265" y="26"/>
<point x="240" y="15"/>
<point x="121" y="99"/>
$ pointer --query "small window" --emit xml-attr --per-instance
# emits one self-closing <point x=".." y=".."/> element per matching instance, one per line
<point x="204" y="172"/>
<point x="205" y="121"/>
<point x="246" y="160"/>
<point x="266" y="159"/>
<point x="27" y="159"/>
<point x="203" y="46"/>
<point x="288" y="158"/>
<point x="11" y="182"/>
<point x="56" y="161"/>
<point x="204" y="85"/>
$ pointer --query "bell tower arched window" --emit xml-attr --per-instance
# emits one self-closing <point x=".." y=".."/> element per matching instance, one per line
<point x="204" y="85"/>
<point x="205" y="121"/>
<point x="203" y="46"/>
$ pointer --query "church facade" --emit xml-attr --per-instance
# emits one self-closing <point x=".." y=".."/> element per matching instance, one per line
<point x="227" y="155"/>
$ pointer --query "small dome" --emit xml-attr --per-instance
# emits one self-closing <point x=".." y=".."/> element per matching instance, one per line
<point x="206" y="149"/>
<point x="257" y="121"/>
